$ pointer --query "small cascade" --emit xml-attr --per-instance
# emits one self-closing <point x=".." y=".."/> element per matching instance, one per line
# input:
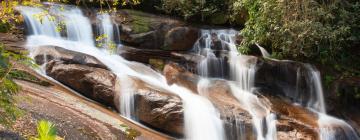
<point x="42" y="26"/>
<point x="330" y="128"/>
<point x="316" y="101"/>
<point x="202" y="121"/>
<point x="78" y="27"/>
<point x="263" y="51"/>
<point x="244" y="74"/>
<point x="214" y="44"/>
<point x="108" y="31"/>
<point x="127" y="107"/>
<point x="219" y="49"/>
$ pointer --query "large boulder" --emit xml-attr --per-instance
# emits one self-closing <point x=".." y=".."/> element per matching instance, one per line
<point x="95" y="83"/>
<point x="181" y="38"/>
<point x="158" y="58"/>
<point x="147" y="31"/>
<point x="45" y="54"/>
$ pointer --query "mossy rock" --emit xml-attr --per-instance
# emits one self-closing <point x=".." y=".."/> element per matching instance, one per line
<point x="140" y="22"/>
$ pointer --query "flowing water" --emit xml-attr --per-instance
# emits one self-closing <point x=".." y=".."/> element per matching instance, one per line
<point x="222" y="60"/>
<point x="202" y="121"/>
<point x="107" y="30"/>
<point x="331" y="128"/>
<point x="218" y="47"/>
<point x="263" y="51"/>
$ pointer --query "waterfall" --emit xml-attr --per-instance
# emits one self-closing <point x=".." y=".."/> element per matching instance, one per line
<point x="108" y="31"/>
<point x="263" y="51"/>
<point x="42" y="26"/>
<point x="243" y="71"/>
<point x="214" y="45"/>
<point x="202" y="121"/>
<point x="331" y="128"/>
<point x="222" y="60"/>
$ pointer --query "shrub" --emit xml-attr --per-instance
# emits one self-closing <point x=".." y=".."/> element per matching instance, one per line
<point x="304" y="29"/>
<point x="8" y="87"/>
<point x="212" y="11"/>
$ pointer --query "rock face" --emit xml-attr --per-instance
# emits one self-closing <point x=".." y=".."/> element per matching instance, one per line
<point x="147" y="31"/>
<point x="289" y="79"/>
<point x="181" y="38"/>
<point x="95" y="83"/>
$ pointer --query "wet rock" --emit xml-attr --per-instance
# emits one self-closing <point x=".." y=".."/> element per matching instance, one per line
<point x="143" y="30"/>
<point x="147" y="31"/>
<point x="218" y="92"/>
<point x="181" y="38"/>
<point x="285" y="78"/>
<point x="147" y="56"/>
<point x="158" y="109"/>
<point x="144" y="55"/>
<point x="291" y="119"/>
<point x="174" y="73"/>
<point x="45" y="54"/>
<point x="95" y="83"/>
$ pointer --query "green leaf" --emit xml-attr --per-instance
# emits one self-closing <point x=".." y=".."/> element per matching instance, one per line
<point x="46" y="130"/>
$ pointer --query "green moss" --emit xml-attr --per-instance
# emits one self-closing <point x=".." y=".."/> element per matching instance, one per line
<point x="140" y="22"/>
<point x="140" y="26"/>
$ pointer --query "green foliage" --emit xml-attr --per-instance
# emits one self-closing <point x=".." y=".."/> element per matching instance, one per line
<point x="214" y="11"/>
<point x="46" y="131"/>
<point x="243" y="50"/>
<point x="7" y="86"/>
<point x="313" y="30"/>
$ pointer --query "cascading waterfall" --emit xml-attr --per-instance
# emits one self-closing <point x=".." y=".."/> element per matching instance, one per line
<point x="331" y="128"/>
<point x="42" y="26"/>
<point x="202" y="121"/>
<point x="212" y="44"/>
